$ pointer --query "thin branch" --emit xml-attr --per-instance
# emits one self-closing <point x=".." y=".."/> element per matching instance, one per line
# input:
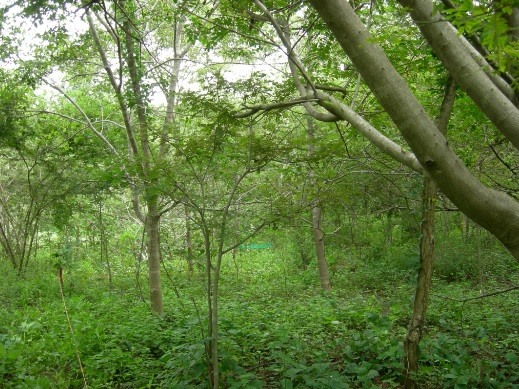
<point x="85" y="116"/>
<point x="463" y="301"/>
<point x="115" y="85"/>
<point x="500" y="159"/>
<point x="269" y="107"/>
<point x="382" y="142"/>
<point x="284" y="35"/>
<point x="247" y="237"/>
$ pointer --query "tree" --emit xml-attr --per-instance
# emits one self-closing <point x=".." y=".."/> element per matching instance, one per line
<point x="421" y="301"/>
<point x="219" y="175"/>
<point x="40" y="161"/>
<point x="135" y="52"/>
<point x="316" y="212"/>
<point x="493" y="210"/>
<point x="23" y="198"/>
<point x="126" y="25"/>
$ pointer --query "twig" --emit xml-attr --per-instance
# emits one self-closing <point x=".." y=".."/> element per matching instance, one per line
<point x="72" y="337"/>
<point x="489" y="294"/>
<point x="175" y="289"/>
<point x="463" y="301"/>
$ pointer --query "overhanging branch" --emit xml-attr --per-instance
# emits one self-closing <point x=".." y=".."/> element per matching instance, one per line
<point x="270" y="107"/>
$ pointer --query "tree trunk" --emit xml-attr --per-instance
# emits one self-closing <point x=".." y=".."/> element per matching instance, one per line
<point x="513" y="33"/>
<point x="211" y="346"/>
<point x="447" y="45"/>
<point x="189" y="242"/>
<point x="421" y="299"/>
<point x="465" y="227"/>
<point x="317" y="232"/>
<point x="493" y="210"/>
<point x="153" y="251"/>
<point x="318" y="236"/>
<point x="103" y="245"/>
<point x="214" y="328"/>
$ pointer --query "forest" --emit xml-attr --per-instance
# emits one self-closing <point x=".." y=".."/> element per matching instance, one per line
<point x="259" y="194"/>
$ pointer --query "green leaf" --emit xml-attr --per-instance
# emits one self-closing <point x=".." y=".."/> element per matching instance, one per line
<point x="511" y="357"/>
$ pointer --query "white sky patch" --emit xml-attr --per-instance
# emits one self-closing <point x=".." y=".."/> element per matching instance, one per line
<point x="30" y="37"/>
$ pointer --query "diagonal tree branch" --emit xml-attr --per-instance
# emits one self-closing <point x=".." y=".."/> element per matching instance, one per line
<point x="467" y="73"/>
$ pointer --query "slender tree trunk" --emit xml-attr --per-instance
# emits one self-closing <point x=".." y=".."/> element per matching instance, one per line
<point x="465" y="227"/>
<point x="214" y="322"/>
<point x="153" y="251"/>
<point x="317" y="232"/>
<point x="318" y="236"/>
<point x="211" y="347"/>
<point x="103" y="244"/>
<point x="189" y="242"/>
<point x="421" y="299"/>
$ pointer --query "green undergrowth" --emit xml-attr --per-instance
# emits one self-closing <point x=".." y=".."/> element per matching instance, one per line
<point x="277" y="329"/>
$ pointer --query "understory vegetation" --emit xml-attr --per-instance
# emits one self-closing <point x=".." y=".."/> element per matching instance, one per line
<point x="259" y="194"/>
<point x="277" y="328"/>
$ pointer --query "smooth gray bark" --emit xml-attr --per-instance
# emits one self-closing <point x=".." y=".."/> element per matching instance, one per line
<point x="447" y="45"/>
<point x="383" y="143"/>
<point x="493" y="210"/>
<point x="337" y="110"/>
<point x="153" y="251"/>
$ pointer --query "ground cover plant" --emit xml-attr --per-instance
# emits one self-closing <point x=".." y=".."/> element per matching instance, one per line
<point x="278" y="330"/>
<point x="259" y="193"/>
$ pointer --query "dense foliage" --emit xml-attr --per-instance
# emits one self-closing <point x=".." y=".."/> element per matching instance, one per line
<point x="178" y="177"/>
<point x="277" y="328"/>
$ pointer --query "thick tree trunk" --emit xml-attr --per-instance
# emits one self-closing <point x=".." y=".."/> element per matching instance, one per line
<point x="153" y="251"/>
<point x="513" y="32"/>
<point x="493" y="210"/>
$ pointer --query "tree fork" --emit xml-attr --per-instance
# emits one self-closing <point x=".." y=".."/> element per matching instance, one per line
<point x="493" y="210"/>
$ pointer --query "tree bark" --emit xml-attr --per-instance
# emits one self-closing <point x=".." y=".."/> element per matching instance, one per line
<point x="447" y="45"/>
<point x="513" y="35"/>
<point x="415" y="329"/>
<point x="318" y="236"/>
<point x="189" y="242"/>
<point x="421" y="300"/>
<point x="103" y="245"/>
<point x="317" y="232"/>
<point x="465" y="227"/>
<point x="153" y="251"/>
<point x="493" y="210"/>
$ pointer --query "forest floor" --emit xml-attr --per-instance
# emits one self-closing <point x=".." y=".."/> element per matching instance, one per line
<point x="277" y="329"/>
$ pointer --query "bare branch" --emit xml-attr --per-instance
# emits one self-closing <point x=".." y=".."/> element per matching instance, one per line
<point x="85" y="116"/>
<point x="115" y="85"/>
<point x="294" y="63"/>
<point x="383" y="143"/>
<point x="269" y="107"/>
